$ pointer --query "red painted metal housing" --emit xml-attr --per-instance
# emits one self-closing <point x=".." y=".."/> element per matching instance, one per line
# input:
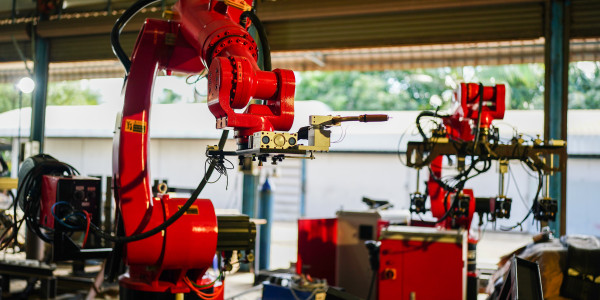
<point x="206" y="35"/>
<point x="160" y="262"/>
<point x="492" y="99"/>
<point x="422" y="263"/>
<point x="334" y="249"/>
<point x="234" y="77"/>
<point x="467" y="99"/>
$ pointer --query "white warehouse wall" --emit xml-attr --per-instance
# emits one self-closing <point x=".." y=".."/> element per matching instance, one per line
<point x="337" y="180"/>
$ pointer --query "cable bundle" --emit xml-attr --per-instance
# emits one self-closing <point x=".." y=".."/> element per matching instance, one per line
<point x="200" y="290"/>
<point x="305" y="283"/>
<point x="29" y="192"/>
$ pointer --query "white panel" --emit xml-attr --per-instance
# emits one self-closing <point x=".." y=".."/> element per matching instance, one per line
<point x="70" y="151"/>
<point x="336" y="181"/>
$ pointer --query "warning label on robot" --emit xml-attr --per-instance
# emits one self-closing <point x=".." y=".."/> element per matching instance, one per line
<point x="193" y="210"/>
<point x="136" y="126"/>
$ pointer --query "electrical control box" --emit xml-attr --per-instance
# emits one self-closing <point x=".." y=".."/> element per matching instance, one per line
<point x="334" y="249"/>
<point x="422" y="263"/>
<point x="78" y="192"/>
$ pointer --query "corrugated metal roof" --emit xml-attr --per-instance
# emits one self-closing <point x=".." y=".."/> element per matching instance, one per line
<point x="194" y="121"/>
<point x="362" y="59"/>
<point x="585" y="18"/>
<point x="294" y="25"/>
<point x="359" y="59"/>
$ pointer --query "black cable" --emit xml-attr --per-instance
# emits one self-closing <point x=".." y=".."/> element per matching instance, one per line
<point x="222" y="164"/>
<point x="119" y="239"/>
<point x="118" y="27"/>
<point x="535" y="203"/>
<point x="426" y="114"/>
<point x="479" y="110"/>
<point x="457" y="188"/>
<point x="450" y="209"/>
<point x="372" y="284"/>
<point x="262" y="35"/>
<point x="29" y="192"/>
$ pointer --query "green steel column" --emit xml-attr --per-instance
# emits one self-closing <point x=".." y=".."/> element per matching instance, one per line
<point x="249" y="195"/>
<point x="556" y="96"/>
<point x="249" y="191"/>
<point x="34" y="245"/>
<point x="38" y="106"/>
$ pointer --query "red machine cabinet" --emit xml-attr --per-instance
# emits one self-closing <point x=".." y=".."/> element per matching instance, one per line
<point x="422" y="263"/>
<point x="334" y="249"/>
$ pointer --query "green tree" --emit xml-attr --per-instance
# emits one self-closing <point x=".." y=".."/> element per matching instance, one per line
<point x="70" y="93"/>
<point x="389" y="90"/>
<point x="584" y="87"/>
<point x="525" y="83"/>
<point x="412" y="89"/>
<point x="169" y="96"/>
<point x="9" y="98"/>
<point x="59" y="93"/>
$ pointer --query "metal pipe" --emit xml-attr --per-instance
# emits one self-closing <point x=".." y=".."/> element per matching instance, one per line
<point x="418" y="176"/>
<point x="502" y="169"/>
<point x="501" y="185"/>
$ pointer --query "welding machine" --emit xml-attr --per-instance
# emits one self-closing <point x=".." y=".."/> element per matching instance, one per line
<point x="63" y="198"/>
<point x="76" y="193"/>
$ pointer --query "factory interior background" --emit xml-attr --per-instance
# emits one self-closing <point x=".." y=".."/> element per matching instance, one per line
<point x="395" y="149"/>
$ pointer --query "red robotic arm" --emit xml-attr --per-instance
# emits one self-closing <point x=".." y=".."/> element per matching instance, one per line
<point x="234" y="78"/>
<point x="204" y="34"/>
<point x="476" y="107"/>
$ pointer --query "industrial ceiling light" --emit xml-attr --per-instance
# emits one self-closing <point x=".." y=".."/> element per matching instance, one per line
<point x="26" y="85"/>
